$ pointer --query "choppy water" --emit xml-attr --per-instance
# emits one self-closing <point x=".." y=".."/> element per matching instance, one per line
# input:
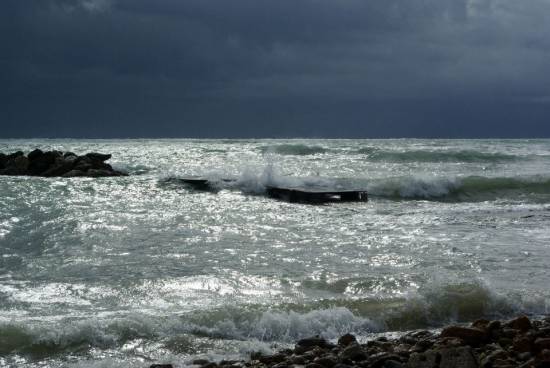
<point x="139" y="269"/>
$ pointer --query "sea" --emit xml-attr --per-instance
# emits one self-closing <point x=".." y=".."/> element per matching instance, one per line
<point x="131" y="271"/>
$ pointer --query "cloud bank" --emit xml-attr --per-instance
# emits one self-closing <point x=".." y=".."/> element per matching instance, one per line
<point x="252" y="68"/>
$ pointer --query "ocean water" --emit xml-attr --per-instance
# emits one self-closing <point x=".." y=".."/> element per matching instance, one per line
<point x="134" y="270"/>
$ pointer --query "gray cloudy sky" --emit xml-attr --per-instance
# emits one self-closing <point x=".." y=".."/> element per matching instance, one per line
<point x="275" y="68"/>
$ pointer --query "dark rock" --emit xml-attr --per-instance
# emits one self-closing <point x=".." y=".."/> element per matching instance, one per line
<point x="428" y="359"/>
<point x="524" y="356"/>
<point x="60" y="166"/>
<point x="228" y="362"/>
<point x="69" y="154"/>
<point x="101" y="157"/>
<point x="272" y="359"/>
<point x="521" y="323"/>
<point x="14" y="155"/>
<point x="16" y="165"/>
<point x="200" y="362"/>
<point x="379" y="360"/>
<point x="3" y="160"/>
<point x="98" y="173"/>
<point x="346" y="339"/>
<point x="35" y="154"/>
<point x="542" y="343"/>
<point x="313" y="365"/>
<point x="481" y="324"/>
<point x="312" y="342"/>
<point x="522" y="344"/>
<point x="423" y="345"/>
<point x="494" y="325"/>
<point x="41" y="161"/>
<point x="161" y="366"/>
<point x="299" y="360"/>
<point x="73" y="174"/>
<point x="210" y="365"/>
<point x="505" y="341"/>
<point x="309" y="343"/>
<point x="326" y="361"/>
<point x="392" y="364"/>
<point x="280" y="365"/>
<point x="471" y="336"/>
<point x="341" y="365"/>
<point x="509" y="332"/>
<point x="353" y="352"/>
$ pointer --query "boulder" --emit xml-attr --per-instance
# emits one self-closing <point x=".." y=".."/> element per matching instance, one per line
<point x="73" y="174"/>
<point x="60" y="167"/>
<point x="16" y="165"/>
<point x="35" y="154"/>
<point x="101" y="157"/>
<point x="428" y="359"/>
<point x="41" y="161"/>
<point x="326" y="361"/>
<point x="3" y="160"/>
<point x="353" y="352"/>
<point x="471" y="336"/>
<point x="461" y="357"/>
<point x="347" y="339"/>
<point x="521" y="323"/>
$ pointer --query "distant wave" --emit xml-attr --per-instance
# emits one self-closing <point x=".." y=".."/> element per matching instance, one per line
<point x="374" y="154"/>
<point x="294" y="149"/>
<point x="384" y="155"/>
<point x="461" y="189"/>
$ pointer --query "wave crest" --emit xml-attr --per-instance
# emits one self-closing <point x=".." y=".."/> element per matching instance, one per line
<point x="471" y="188"/>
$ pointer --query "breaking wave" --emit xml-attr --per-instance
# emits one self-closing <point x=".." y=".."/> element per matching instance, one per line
<point x="426" y="308"/>
<point x="435" y="156"/>
<point x="471" y="188"/>
<point x="294" y="149"/>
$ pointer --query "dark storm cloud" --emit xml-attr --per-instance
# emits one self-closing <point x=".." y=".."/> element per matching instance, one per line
<point x="277" y="68"/>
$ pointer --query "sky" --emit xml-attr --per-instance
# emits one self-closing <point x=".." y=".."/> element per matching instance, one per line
<point x="275" y="68"/>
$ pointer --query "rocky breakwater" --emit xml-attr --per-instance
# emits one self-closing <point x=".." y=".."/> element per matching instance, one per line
<point x="487" y="344"/>
<point x="56" y="164"/>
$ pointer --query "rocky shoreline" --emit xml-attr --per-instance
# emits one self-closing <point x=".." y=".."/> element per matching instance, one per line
<point x="57" y="164"/>
<point x="487" y="344"/>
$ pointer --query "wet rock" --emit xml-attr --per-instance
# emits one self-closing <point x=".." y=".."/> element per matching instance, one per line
<point x="342" y="365"/>
<point x="494" y="325"/>
<point x="522" y="344"/>
<point x="56" y="163"/>
<point x="471" y="336"/>
<point x="200" y="362"/>
<point x="210" y="365"/>
<point x="313" y="365"/>
<point x="3" y="160"/>
<point x="73" y="174"/>
<point x="161" y="366"/>
<point x="379" y="360"/>
<point x="481" y="324"/>
<point x="428" y="359"/>
<point x="41" y="161"/>
<point x="299" y="360"/>
<point x="461" y="357"/>
<point x="521" y="323"/>
<point x="354" y="353"/>
<point x="347" y="339"/>
<point x="542" y="343"/>
<point x="16" y="165"/>
<point x="98" y="157"/>
<point x="310" y="343"/>
<point x="61" y="166"/>
<point x="326" y="361"/>
<point x="280" y="365"/>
